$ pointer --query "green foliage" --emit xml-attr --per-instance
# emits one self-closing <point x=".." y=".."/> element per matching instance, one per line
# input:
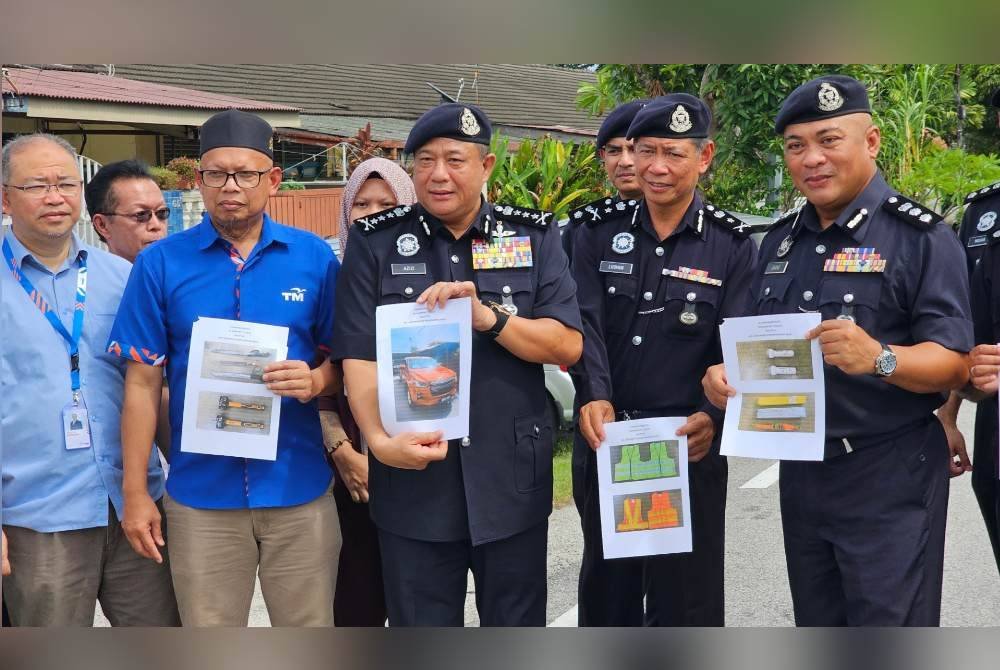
<point x="165" y="178"/>
<point x="545" y="174"/>
<point x="292" y="186"/>
<point x="186" y="168"/>
<point x="943" y="177"/>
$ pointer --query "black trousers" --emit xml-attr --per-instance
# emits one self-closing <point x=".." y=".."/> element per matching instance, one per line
<point x="6" y="617"/>
<point x="864" y="532"/>
<point x="425" y="582"/>
<point x="679" y="589"/>
<point x="359" y="599"/>
<point x="984" y="472"/>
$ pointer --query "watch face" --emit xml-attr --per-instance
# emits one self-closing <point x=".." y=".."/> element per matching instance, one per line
<point x="886" y="363"/>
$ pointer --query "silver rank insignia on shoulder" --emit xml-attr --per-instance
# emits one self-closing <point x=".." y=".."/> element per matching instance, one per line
<point x="785" y="246"/>
<point x="986" y="221"/>
<point x="680" y="120"/>
<point x="829" y="98"/>
<point x="469" y="124"/>
<point x="623" y="243"/>
<point x="407" y="244"/>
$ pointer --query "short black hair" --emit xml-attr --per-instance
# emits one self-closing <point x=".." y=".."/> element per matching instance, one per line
<point x="99" y="195"/>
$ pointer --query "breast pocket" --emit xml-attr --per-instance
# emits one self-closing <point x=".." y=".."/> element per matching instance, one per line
<point x="691" y="309"/>
<point x="532" y="453"/>
<point x="619" y="299"/>
<point x="852" y="296"/>
<point x="772" y="295"/>
<point x="508" y="288"/>
<point x="403" y="288"/>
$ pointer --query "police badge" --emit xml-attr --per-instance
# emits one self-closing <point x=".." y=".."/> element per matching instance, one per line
<point x="680" y="120"/>
<point x="829" y="98"/>
<point x="986" y="221"/>
<point x="623" y="243"/>
<point x="469" y="124"/>
<point x="785" y="246"/>
<point x="407" y="244"/>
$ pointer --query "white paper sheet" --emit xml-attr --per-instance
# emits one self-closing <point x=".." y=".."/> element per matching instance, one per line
<point x="424" y="365"/>
<point x="642" y="475"/>
<point x="227" y="409"/>
<point x="780" y="409"/>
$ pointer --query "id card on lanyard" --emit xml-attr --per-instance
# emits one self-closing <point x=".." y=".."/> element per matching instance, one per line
<point x="76" y="423"/>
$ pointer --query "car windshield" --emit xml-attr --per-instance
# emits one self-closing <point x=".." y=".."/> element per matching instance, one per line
<point x="421" y="363"/>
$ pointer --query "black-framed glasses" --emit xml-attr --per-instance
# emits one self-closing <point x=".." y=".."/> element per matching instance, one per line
<point x="243" y="178"/>
<point x="144" y="215"/>
<point x="67" y="189"/>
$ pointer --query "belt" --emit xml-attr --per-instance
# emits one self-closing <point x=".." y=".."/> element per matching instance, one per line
<point x="838" y="446"/>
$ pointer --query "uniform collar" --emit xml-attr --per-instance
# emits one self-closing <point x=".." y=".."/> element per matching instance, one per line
<point x="855" y="217"/>
<point x="693" y="221"/>
<point x="269" y="232"/>
<point x="481" y="226"/>
<point x="76" y="250"/>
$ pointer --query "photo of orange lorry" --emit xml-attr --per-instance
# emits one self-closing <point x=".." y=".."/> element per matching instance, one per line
<point x="427" y="381"/>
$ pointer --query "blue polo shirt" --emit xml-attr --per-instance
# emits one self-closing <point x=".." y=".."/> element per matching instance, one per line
<point x="196" y="273"/>
<point x="47" y="487"/>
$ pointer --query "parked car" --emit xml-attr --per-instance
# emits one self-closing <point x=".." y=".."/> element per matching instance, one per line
<point x="427" y="381"/>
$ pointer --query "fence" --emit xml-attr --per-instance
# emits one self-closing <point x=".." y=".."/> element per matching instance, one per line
<point x="315" y="210"/>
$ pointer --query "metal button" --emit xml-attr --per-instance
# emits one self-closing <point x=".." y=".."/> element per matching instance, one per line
<point x="611" y="290"/>
<point x="691" y="296"/>
<point x="820" y="249"/>
<point x="637" y="340"/>
<point x="466" y="441"/>
<point x="408" y="290"/>
<point x="659" y="251"/>
<point x="506" y="290"/>
<point x="537" y="430"/>
<point x="454" y="259"/>
<point x="849" y="298"/>
<point x="807" y="295"/>
<point x="767" y="290"/>
<point x="648" y="295"/>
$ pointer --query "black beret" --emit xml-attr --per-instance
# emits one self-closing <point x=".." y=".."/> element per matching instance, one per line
<point x="453" y="120"/>
<point x="616" y="123"/>
<point x="233" y="128"/>
<point x="822" y="98"/>
<point x="674" y="115"/>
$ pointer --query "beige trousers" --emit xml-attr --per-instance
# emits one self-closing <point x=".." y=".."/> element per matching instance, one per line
<point x="215" y="556"/>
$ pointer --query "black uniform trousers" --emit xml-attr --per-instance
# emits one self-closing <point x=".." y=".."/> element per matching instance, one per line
<point x="6" y="617"/>
<point x="680" y="589"/>
<point x="984" y="472"/>
<point x="864" y="531"/>
<point x="358" y="599"/>
<point x="426" y="582"/>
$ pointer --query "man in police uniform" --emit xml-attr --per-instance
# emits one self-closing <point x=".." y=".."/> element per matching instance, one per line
<point x="482" y="502"/>
<point x="655" y="279"/>
<point x="864" y="528"/>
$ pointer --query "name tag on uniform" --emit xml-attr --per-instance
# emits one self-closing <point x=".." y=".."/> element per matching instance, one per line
<point x="409" y="268"/>
<point x="976" y="241"/>
<point x="617" y="268"/>
<point x="776" y="267"/>
<point x="507" y="252"/>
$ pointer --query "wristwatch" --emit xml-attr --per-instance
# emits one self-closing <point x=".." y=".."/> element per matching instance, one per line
<point x="502" y="316"/>
<point x="885" y="362"/>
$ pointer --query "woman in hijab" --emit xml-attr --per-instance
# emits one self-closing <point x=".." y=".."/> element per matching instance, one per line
<point x="375" y="185"/>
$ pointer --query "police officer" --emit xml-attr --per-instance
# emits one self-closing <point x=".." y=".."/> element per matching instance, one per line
<point x="864" y="528"/>
<point x="654" y="281"/>
<point x="481" y="502"/>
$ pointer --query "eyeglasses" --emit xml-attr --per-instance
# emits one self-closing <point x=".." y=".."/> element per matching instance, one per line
<point x="144" y="215"/>
<point x="243" y="178"/>
<point x="66" y="189"/>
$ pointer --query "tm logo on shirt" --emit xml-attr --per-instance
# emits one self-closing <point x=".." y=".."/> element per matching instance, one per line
<point x="294" y="295"/>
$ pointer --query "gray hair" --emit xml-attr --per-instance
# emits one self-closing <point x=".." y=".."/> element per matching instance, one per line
<point x="21" y="142"/>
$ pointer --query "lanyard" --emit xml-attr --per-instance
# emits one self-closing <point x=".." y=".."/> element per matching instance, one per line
<point x="47" y="311"/>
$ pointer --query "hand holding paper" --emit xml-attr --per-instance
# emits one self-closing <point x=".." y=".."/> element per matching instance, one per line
<point x="700" y="431"/>
<point x="438" y="295"/>
<point x="846" y="345"/>
<point x="593" y="416"/>
<point x="410" y="451"/>
<point x="716" y="385"/>
<point x="289" y="379"/>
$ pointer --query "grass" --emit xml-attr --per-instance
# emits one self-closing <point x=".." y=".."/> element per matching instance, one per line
<point x="562" y="470"/>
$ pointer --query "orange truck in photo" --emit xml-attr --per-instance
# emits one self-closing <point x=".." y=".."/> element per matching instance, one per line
<point x="427" y="381"/>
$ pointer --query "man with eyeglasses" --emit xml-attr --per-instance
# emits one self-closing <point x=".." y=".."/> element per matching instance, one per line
<point x="127" y="208"/>
<point x="62" y="483"/>
<point x="232" y="518"/>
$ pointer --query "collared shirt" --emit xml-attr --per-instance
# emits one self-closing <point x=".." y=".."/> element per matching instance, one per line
<point x="499" y="481"/>
<point x="986" y="322"/>
<point x="196" y="273"/>
<point x="651" y="308"/>
<point x="47" y="487"/>
<point x="980" y="221"/>
<point x="921" y="295"/>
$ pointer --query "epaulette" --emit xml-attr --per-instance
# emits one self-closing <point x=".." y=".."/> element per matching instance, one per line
<point x="984" y="191"/>
<point x="532" y="217"/>
<point x="787" y="217"/>
<point x="913" y="213"/>
<point x="601" y="210"/>
<point x="384" y="219"/>
<point x="737" y="227"/>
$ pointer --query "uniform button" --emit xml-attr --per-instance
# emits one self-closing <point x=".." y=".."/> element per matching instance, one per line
<point x="848" y="298"/>
<point x="466" y="441"/>
<point x="807" y="295"/>
<point x="922" y="458"/>
<point x="659" y="251"/>
<point x="691" y="296"/>
<point x="648" y="295"/>
<point x="454" y="259"/>
<point x="637" y="340"/>
<point x="767" y="290"/>
<point x="537" y="430"/>
<point x="611" y="290"/>
<point x="408" y="290"/>
<point x="820" y="249"/>
<point x="506" y="290"/>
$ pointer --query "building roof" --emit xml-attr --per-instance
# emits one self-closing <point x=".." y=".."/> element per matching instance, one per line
<point x="92" y="87"/>
<point x="535" y="96"/>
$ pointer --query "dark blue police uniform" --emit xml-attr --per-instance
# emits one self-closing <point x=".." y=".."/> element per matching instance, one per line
<point x="650" y="332"/>
<point x="485" y="506"/>
<point x="978" y="225"/>
<point x="864" y="528"/>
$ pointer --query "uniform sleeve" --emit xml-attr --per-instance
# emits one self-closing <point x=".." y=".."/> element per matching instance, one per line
<point x="593" y="367"/>
<point x="327" y="304"/>
<point x="982" y="309"/>
<point x="555" y="295"/>
<point x="940" y="309"/>
<point x="357" y="287"/>
<point x="139" y="332"/>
